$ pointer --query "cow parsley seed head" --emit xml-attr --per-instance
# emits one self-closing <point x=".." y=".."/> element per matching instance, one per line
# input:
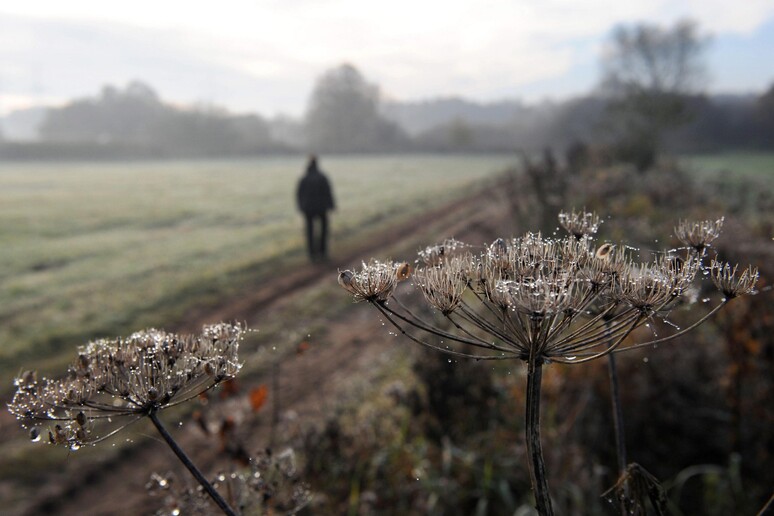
<point x="562" y="299"/>
<point x="725" y="278"/>
<point x="443" y="286"/>
<point x="541" y="296"/>
<point x="580" y="224"/>
<point x="375" y="281"/>
<point x="652" y="287"/>
<point x="114" y="382"/>
<point x="698" y="235"/>
<point x="435" y="254"/>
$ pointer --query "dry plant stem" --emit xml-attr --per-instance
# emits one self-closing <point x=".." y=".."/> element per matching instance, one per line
<point x="219" y="501"/>
<point x="618" y="428"/>
<point x="620" y="442"/>
<point x="537" y="467"/>
<point x="615" y="398"/>
<point x="768" y="508"/>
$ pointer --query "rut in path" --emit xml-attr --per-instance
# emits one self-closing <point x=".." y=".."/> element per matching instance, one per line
<point x="311" y="381"/>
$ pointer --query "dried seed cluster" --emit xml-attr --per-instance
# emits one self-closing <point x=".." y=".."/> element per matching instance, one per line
<point x="725" y="278"/>
<point x="698" y="235"/>
<point x="580" y="224"/>
<point x="375" y="281"/>
<point x="562" y="299"/>
<point x="117" y="381"/>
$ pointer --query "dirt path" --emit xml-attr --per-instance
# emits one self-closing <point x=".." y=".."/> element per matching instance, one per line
<point x="311" y="381"/>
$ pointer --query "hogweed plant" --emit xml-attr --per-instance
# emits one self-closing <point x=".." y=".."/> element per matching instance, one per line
<point x="114" y="383"/>
<point x="565" y="300"/>
<point x="697" y="237"/>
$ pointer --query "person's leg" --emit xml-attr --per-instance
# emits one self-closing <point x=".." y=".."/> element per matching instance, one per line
<point x="310" y="245"/>
<point x="324" y="235"/>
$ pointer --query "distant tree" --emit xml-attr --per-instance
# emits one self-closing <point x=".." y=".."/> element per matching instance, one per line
<point x="577" y="156"/>
<point x="114" y="116"/>
<point x="766" y="100"/>
<point x="648" y="73"/>
<point x="287" y="131"/>
<point x="460" y="134"/>
<point x="343" y="115"/>
<point x="136" y="120"/>
<point x="765" y="119"/>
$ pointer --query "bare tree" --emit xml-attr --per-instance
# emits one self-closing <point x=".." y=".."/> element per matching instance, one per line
<point x="343" y="115"/>
<point x="648" y="73"/>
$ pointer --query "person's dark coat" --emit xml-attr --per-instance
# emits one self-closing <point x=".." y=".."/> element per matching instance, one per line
<point x="314" y="195"/>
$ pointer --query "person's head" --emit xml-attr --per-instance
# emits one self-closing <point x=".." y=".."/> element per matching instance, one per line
<point x="312" y="163"/>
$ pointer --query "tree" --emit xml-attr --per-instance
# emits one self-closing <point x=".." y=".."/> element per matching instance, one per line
<point x="648" y="73"/>
<point x="114" y="116"/>
<point x="765" y="119"/>
<point x="343" y="115"/>
<point x="135" y="119"/>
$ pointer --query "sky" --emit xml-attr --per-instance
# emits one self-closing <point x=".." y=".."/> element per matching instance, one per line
<point x="264" y="55"/>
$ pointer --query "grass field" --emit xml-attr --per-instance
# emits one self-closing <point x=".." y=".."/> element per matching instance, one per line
<point x="100" y="249"/>
<point x="734" y="167"/>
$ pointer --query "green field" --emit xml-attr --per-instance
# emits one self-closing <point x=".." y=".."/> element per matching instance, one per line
<point x="99" y="249"/>
<point x="733" y="167"/>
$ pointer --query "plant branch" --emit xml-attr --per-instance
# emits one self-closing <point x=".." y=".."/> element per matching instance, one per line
<point x="216" y="497"/>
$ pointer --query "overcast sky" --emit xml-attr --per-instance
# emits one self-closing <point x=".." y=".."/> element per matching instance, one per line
<point x="264" y="55"/>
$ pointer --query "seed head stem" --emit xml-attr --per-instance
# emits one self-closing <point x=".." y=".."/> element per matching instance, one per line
<point x="537" y="467"/>
<point x="216" y="497"/>
<point x="615" y="397"/>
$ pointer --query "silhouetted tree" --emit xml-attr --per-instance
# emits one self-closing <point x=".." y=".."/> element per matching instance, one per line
<point x="343" y="115"/>
<point x="114" y="115"/>
<point x="577" y="157"/>
<point x="135" y="121"/>
<point x="765" y="118"/>
<point x="648" y="72"/>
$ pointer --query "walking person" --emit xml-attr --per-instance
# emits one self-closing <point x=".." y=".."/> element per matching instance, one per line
<point x="315" y="199"/>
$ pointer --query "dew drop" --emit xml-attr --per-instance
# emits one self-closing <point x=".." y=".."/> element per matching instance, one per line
<point x="645" y="360"/>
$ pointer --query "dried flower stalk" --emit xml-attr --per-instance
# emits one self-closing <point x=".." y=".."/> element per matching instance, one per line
<point x="543" y="300"/>
<point x="114" y="383"/>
